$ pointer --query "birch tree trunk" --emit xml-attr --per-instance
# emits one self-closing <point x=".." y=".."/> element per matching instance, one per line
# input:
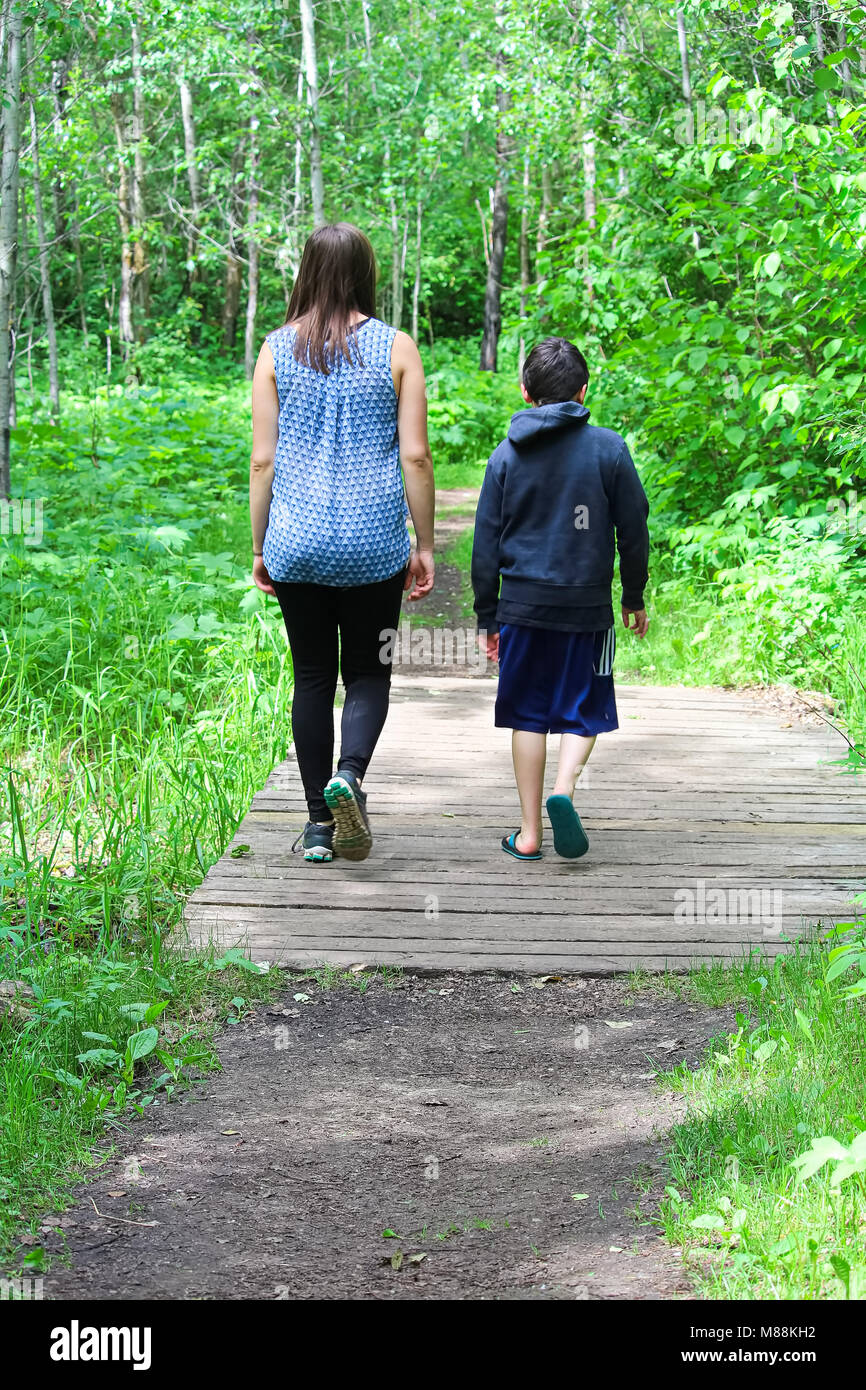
<point x="125" y="317"/>
<point x="498" y="236"/>
<point x="524" y="261"/>
<point x="541" y="229"/>
<point x="44" y="261"/>
<point x="232" y="297"/>
<point x="416" y="283"/>
<point x="819" y="32"/>
<point x="189" y="147"/>
<point x="252" y="252"/>
<point x="686" y="83"/>
<point x="685" y="73"/>
<point x="396" y="301"/>
<point x="9" y="229"/>
<point x="140" y="265"/>
<point x="311" y="72"/>
<point x="59" y="76"/>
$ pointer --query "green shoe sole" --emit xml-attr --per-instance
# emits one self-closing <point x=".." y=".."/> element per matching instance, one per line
<point x="353" y="838"/>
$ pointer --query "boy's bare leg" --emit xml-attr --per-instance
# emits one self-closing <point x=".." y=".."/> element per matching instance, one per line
<point x="529" y="752"/>
<point x="574" y="750"/>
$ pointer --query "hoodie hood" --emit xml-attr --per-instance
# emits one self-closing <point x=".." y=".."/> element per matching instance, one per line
<point x="540" y="420"/>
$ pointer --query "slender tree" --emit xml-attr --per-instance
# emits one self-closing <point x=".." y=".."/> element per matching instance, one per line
<point x="192" y="177"/>
<point x="252" y="250"/>
<point x="499" y="227"/>
<point x="9" y="227"/>
<point x="311" y="74"/>
<point x="42" y="249"/>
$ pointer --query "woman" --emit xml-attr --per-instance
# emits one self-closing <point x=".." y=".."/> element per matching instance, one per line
<point x="338" y="406"/>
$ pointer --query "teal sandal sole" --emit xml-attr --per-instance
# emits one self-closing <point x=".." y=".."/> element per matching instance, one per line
<point x="569" y="836"/>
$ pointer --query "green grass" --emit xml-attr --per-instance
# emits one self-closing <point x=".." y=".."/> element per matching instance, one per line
<point x="144" y="691"/>
<point x="791" y="1072"/>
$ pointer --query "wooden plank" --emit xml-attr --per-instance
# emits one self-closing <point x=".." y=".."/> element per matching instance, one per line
<point x="697" y="785"/>
<point x="331" y="926"/>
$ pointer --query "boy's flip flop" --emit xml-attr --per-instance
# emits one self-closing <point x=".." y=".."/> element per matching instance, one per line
<point x="509" y="844"/>
<point x="569" y="836"/>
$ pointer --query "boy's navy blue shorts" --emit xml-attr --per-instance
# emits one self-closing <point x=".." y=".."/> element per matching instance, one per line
<point x="556" y="682"/>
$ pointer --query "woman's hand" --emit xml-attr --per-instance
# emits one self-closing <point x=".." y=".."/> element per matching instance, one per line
<point x="420" y="574"/>
<point x="261" y="578"/>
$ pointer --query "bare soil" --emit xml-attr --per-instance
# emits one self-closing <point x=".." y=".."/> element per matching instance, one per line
<point x="512" y="1139"/>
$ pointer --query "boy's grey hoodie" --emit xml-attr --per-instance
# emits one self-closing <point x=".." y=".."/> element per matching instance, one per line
<point x="558" y="494"/>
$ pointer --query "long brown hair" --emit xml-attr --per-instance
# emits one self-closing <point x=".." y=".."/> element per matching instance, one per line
<point x="337" y="276"/>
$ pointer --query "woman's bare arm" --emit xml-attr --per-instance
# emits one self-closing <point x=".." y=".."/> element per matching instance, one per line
<point x="266" y="414"/>
<point x="415" y="458"/>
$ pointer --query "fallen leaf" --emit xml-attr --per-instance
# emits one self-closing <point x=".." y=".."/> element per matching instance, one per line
<point x="117" y="1194"/>
<point x="397" y="1259"/>
<point x="229" y="1131"/>
<point x="580" y="1196"/>
<point x="434" y="1102"/>
<point x="611" y="1024"/>
<point x="356" y="969"/>
<point x="541" y="980"/>
<point x="302" y="998"/>
<point x="615" y="1249"/>
<point x="670" y="1046"/>
<point x="388" y="1234"/>
<point x="240" y="852"/>
<point x="416" y="1259"/>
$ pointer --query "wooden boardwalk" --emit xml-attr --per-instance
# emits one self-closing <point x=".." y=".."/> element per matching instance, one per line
<point x="713" y="829"/>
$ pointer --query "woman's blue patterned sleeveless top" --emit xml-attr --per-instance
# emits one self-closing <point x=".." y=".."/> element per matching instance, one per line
<point x="338" y="509"/>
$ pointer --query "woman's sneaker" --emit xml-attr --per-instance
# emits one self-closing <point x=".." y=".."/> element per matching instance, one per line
<point x="317" y="842"/>
<point x="348" y="805"/>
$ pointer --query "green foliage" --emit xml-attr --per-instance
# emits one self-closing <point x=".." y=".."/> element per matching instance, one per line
<point x="767" y="1168"/>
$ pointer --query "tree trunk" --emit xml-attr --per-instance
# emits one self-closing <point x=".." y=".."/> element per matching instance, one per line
<point x="498" y="236"/>
<point x="298" y="196"/>
<point x="44" y="263"/>
<point x="186" y="115"/>
<point x="311" y="71"/>
<point x="80" y="291"/>
<point x="524" y="261"/>
<point x="125" y="316"/>
<point x="684" y="58"/>
<point x="252" y="253"/>
<point x="416" y="283"/>
<point x="9" y="230"/>
<point x="396" y="300"/>
<point x="819" y="32"/>
<point x="232" y="299"/>
<point x="59" y="76"/>
<point x="541" y="231"/>
<point x="140" y="266"/>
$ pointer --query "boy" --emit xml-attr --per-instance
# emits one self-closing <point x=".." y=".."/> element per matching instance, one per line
<point x="556" y="493"/>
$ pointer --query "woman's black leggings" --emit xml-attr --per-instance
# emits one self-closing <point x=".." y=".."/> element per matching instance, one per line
<point x="316" y="616"/>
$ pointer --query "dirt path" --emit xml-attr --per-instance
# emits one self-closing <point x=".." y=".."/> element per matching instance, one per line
<point x="453" y="1111"/>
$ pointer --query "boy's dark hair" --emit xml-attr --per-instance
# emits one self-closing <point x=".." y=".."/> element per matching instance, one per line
<point x="555" y="370"/>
